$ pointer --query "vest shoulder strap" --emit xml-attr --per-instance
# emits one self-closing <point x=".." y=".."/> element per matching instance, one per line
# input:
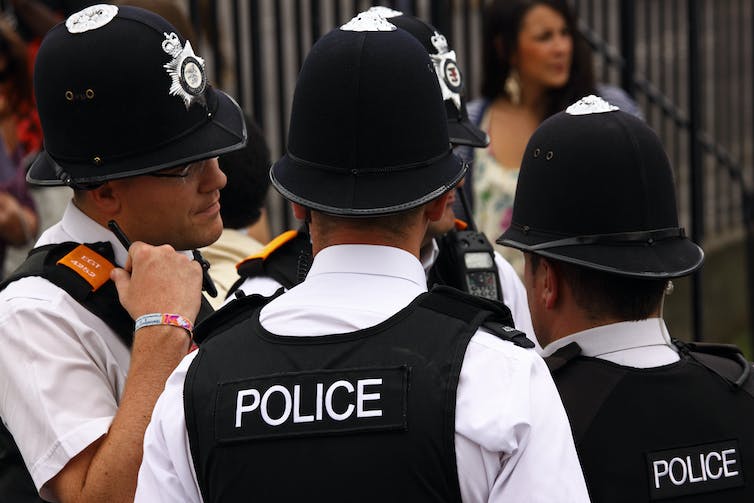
<point x="584" y="383"/>
<point x="494" y="316"/>
<point x="53" y="263"/>
<point x="725" y="360"/>
<point x="286" y="259"/>
<point x="230" y="314"/>
<point x="562" y="356"/>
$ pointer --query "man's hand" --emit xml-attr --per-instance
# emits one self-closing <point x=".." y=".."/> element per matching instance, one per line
<point x="157" y="279"/>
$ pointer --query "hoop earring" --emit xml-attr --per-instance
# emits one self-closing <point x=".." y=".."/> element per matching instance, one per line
<point x="512" y="87"/>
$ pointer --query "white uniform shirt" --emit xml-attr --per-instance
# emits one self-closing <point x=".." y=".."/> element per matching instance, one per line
<point x="638" y="344"/>
<point x="62" y="369"/>
<point x="513" y="441"/>
<point x="514" y="293"/>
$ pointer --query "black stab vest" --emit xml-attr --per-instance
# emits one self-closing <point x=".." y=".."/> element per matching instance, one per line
<point x="366" y="416"/>
<point x="679" y="432"/>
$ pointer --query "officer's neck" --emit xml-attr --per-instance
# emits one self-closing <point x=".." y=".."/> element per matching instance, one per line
<point x="570" y="318"/>
<point x="331" y="231"/>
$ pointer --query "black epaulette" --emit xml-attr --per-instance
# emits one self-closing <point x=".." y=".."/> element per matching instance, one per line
<point x="62" y="264"/>
<point x="496" y="317"/>
<point x="286" y="259"/>
<point x="46" y="262"/>
<point x="725" y="360"/>
<point x="229" y="314"/>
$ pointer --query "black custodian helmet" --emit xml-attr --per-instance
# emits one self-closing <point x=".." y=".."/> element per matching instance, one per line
<point x="460" y="129"/>
<point x="596" y="189"/>
<point x="120" y="93"/>
<point x="368" y="133"/>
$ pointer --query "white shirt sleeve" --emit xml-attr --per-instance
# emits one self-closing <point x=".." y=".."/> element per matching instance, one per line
<point x="513" y="439"/>
<point x="167" y="470"/>
<point x="62" y="372"/>
<point x="514" y="296"/>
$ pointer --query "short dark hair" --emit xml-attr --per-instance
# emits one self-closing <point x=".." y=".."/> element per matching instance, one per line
<point x="605" y="295"/>
<point x="393" y="224"/>
<point x="242" y="198"/>
<point x="503" y="18"/>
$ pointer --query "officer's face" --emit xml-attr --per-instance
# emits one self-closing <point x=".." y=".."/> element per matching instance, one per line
<point x="182" y="211"/>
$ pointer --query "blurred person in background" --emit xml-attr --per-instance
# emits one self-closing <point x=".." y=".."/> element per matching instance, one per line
<point x="21" y="139"/>
<point x="34" y="18"/>
<point x="535" y="63"/>
<point x="241" y="206"/>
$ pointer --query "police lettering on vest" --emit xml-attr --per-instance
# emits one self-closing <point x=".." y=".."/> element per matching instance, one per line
<point x="309" y="403"/>
<point x="292" y="402"/>
<point x="695" y="470"/>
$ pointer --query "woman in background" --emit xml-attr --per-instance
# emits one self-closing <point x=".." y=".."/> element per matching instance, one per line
<point x="535" y="63"/>
<point x="21" y="136"/>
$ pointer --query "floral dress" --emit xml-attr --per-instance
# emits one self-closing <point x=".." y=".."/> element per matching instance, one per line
<point x="494" y="187"/>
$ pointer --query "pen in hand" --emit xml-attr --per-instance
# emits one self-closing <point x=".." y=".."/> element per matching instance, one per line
<point x="207" y="284"/>
<point x="113" y="225"/>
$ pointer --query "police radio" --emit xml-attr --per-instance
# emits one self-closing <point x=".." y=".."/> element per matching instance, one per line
<point x="467" y="260"/>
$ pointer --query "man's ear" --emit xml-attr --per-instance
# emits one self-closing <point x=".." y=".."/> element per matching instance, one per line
<point x="551" y="287"/>
<point x="301" y="212"/>
<point x="105" y="199"/>
<point x="435" y="208"/>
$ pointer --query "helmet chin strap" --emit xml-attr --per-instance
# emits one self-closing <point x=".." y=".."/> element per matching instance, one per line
<point x="668" y="291"/>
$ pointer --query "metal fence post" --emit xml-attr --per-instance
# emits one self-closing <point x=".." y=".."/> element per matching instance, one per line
<point x="695" y="162"/>
<point x="628" y="45"/>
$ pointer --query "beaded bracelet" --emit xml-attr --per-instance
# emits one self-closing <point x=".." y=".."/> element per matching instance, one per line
<point x="175" y="320"/>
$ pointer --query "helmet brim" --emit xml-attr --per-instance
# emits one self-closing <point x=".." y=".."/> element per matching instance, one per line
<point x="665" y="259"/>
<point x="223" y="131"/>
<point x="463" y="132"/>
<point x="365" y="194"/>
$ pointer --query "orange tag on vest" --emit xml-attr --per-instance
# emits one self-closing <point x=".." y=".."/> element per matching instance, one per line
<point x="88" y="264"/>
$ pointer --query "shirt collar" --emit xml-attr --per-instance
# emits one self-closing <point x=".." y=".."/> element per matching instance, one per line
<point x="369" y="259"/>
<point x="614" y="337"/>
<point x="82" y="229"/>
<point x="428" y="255"/>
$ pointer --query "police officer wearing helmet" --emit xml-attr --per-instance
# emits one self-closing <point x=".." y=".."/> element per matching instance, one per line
<point x="358" y="384"/>
<point x="449" y="244"/>
<point x="89" y="333"/>
<point x="595" y="215"/>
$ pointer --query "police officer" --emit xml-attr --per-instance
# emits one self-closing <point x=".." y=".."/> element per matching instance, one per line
<point x="595" y="215"/>
<point x="358" y="384"/>
<point x="453" y="253"/>
<point x="131" y="125"/>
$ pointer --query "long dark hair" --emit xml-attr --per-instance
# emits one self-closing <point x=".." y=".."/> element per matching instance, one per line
<point x="503" y="19"/>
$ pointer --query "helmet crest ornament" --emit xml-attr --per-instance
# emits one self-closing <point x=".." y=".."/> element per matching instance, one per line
<point x="590" y="105"/>
<point x="186" y="69"/>
<point x="368" y="21"/>
<point x="91" y="18"/>
<point x="448" y="72"/>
